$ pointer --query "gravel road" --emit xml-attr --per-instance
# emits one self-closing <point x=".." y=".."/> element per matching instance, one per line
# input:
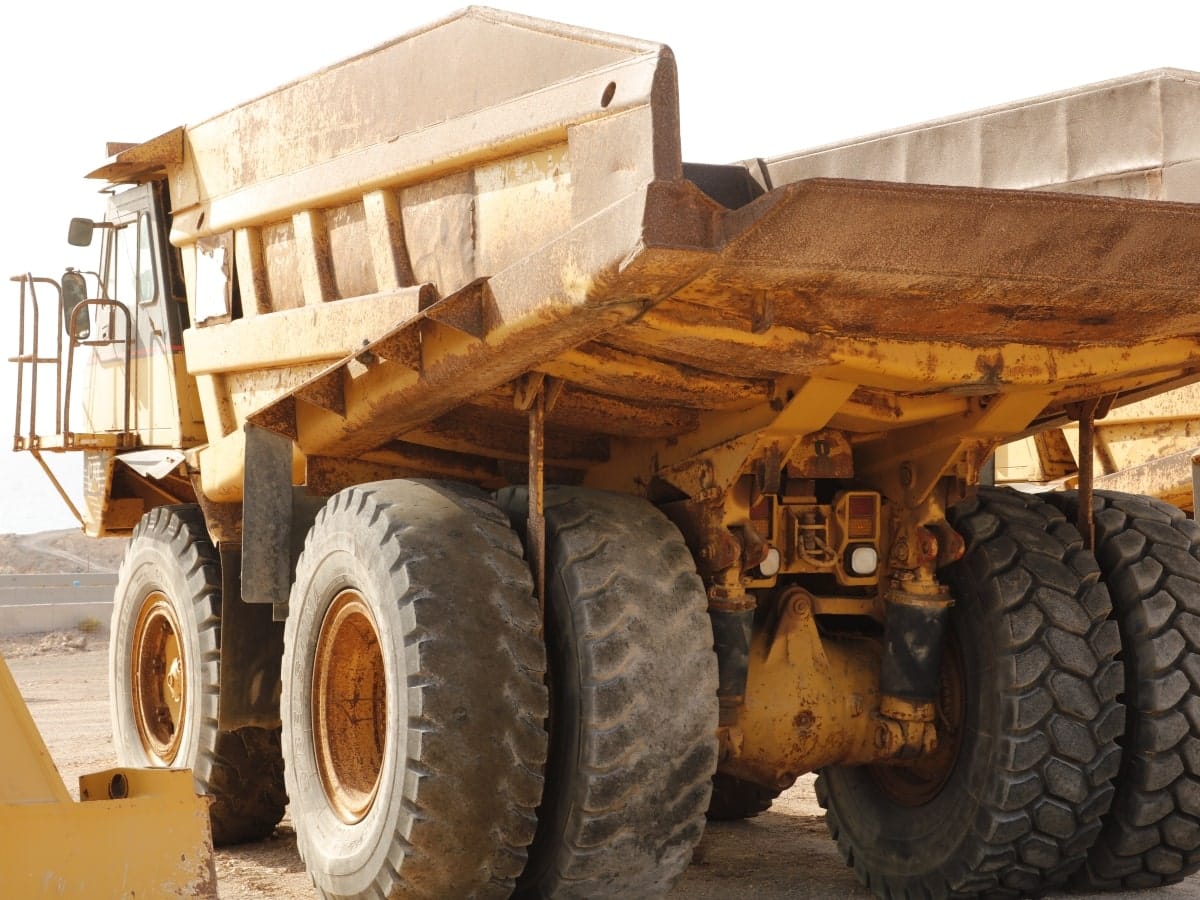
<point x="782" y="854"/>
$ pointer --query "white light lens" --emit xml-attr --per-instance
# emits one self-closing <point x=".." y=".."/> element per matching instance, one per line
<point x="863" y="560"/>
<point x="769" y="567"/>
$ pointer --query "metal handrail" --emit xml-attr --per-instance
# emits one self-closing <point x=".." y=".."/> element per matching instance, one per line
<point x="34" y="360"/>
<point x="31" y="356"/>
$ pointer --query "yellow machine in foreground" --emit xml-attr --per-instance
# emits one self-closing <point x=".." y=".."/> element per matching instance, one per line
<point x="134" y="833"/>
<point x="507" y="494"/>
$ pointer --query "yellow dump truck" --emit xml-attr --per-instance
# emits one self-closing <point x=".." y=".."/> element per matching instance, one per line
<point x="507" y="494"/>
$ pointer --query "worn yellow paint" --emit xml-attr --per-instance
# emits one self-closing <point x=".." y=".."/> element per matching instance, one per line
<point x="809" y="701"/>
<point x="152" y="839"/>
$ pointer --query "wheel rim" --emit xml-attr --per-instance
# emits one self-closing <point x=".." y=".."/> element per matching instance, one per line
<point x="160" y="693"/>
<point x="916" y="783"/>
<point x="349" y="707"/>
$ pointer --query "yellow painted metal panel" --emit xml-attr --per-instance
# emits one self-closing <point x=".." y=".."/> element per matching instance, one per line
<point x="134" y="833"/>
<point x="27" y="773"/>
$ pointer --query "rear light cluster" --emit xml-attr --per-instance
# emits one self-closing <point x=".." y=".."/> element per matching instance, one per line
<point x="858" y="514"/>
<point x="801" y="535"/>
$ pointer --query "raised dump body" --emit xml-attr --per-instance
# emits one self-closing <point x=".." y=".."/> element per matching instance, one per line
<point x="649" y="301"/>
<point x="628" y="489"/>
<point x="1130" y="137"/>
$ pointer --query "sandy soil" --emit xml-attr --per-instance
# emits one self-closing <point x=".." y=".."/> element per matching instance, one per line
<point x="784" y="853"/>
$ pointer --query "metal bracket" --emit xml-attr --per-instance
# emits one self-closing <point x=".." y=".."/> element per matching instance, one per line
<point x="1085" y="413"/>
<point x="536" y="393"/>
<point x="535" y="533"/>
<point x="58" y="487"/>
<point x="527" y="388"/>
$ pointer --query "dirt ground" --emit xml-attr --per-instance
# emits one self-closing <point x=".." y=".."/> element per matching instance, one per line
<point x="784" y="853"/>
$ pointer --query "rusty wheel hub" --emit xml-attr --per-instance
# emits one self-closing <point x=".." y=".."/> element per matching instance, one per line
<point x="349" y="702"/>
<point x="160" y="695"/>
<point x="916" y="783"/>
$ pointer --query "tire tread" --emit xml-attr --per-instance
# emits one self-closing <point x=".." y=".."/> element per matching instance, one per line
<point x="474" y="669"/>
<point x="241" y="769"/>
<point x="647" y="696"/>
<point x="1050" y="780"/>
<point x="1150" y="555"/>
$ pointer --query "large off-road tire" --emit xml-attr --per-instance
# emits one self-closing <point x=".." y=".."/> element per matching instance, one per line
<point x="165" y="672"/>
<point x="414" y="695"/>
<point x="633" y="682"/>
<point x="1028" y="721"/>
<point x="735" y="798"/>
<point x="1149" y="555"/>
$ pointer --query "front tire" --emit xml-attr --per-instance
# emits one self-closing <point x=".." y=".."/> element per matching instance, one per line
<point x="165" y="675"/>
<point x="1149" y="555"/>
<point x="1029" y="702"/>
<point x="413" y="695"/>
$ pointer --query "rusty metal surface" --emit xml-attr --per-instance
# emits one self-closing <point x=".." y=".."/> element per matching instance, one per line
<point x="825" y="252"/>
<point x="546" y="77"/>
<point x="809" y="702"/>
<point x="1132" y="137"/>
<point x="920" y="263"/>
<point x="1166" y="476"/>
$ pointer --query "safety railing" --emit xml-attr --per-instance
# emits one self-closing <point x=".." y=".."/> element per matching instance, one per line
<point x="29" y="359"/>
<point x="32" y="359"/>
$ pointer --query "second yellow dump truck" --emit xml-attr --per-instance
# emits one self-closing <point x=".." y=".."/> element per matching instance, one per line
<point x="1133" y="137"/>
<point x="507" y="494"/>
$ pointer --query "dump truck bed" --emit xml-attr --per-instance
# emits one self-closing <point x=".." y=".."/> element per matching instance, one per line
<point x="1133" y="137"/>
<point x="378" y="278"/>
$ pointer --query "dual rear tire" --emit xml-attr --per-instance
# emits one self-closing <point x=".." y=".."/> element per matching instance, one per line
<point x="417" y="707"/>
<point x="1028" y="719"/>
<point x="417" y="716"/>
<point x="1149" y="555"/>
<point x="1079" y="756"/>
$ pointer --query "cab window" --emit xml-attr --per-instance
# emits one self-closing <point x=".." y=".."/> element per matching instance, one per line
<point x="147" y="284"/>
<point x="131" y="274"/>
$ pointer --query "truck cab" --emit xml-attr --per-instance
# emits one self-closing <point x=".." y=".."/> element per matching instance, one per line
<point x="139" y="270"/>
<point x="122" y="392"/>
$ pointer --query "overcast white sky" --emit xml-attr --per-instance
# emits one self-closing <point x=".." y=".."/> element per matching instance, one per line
<point x="755" y="80"/>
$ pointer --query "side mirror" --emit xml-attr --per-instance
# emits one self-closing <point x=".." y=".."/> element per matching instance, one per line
<point x="75" y="314"/>
<point x="79" y="233"/>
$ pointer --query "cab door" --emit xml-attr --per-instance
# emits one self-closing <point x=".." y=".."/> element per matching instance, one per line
<point x="138" y="272"/>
